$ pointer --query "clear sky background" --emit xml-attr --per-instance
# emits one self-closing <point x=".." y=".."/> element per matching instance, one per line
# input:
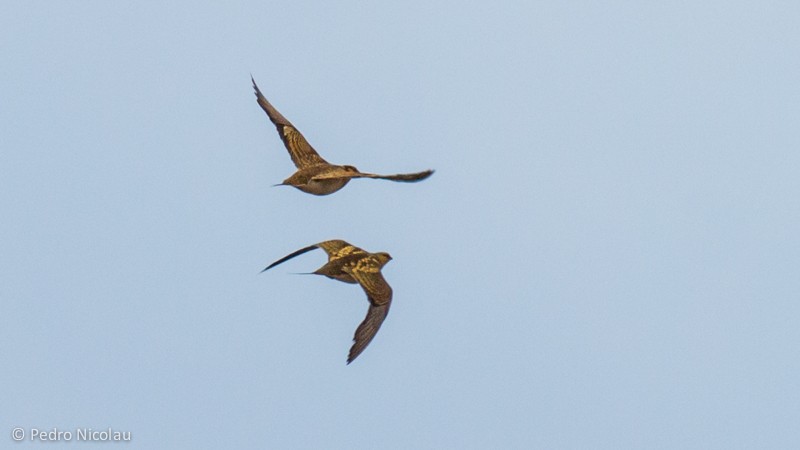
<point x="606" y="257"/>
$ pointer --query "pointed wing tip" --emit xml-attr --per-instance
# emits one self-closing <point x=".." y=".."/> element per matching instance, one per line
<point x="351" y="357"/>
<point x="256" y="90"/>
<point x="354" y="352"/>
<point x="413" y="177"/>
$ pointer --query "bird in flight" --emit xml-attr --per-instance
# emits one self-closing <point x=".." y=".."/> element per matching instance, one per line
<point x="314" y="175"/>
<point x="351" y="264"/>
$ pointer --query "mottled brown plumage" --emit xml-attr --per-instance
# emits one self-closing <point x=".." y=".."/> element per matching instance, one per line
<point x="314" y="175"/>
<point x="351" y="264"/>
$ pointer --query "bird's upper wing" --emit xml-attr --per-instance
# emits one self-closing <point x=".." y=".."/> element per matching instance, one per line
<point x="338" y="248"/>
<point x="379" y="293"/>
<point x="302" y="153"/>
<point x="335" y="249"/>
<point x="290" y="256"/>
<point x="404" y="177"/>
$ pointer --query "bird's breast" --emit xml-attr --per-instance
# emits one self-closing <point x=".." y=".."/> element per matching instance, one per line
<point x="322" y="187"/>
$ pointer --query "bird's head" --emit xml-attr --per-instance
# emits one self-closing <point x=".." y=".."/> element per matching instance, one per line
<point x="350" y="169"/>
<point x="383" y="257"/>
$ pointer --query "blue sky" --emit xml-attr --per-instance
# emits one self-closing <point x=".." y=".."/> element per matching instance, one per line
<point x="606" y="257"/>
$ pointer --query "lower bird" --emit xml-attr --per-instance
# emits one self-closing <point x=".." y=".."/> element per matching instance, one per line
<point x="314" y="175"/>
<point x="351" y="264"/>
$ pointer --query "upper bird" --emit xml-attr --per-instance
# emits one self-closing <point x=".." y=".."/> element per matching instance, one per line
<point x="315" y="175"/>
<point x="351" y="264"/>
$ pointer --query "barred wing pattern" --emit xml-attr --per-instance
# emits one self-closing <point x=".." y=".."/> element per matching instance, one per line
<point x="338" y="248"/>
<point x="302" y="153"/>
<point x="367" y="273"/>
<point x="335" y="249"/>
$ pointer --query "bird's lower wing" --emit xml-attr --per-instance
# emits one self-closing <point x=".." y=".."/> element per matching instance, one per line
<point x="379" y="294"/>
<point x="367" y="330"/>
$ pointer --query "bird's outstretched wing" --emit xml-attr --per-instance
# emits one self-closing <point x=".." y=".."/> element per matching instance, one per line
<point x="302" y="153"/>
<point x="290" y="256"/>
<point x="367" y="330"/>
<point x="379" y="293"/>
<point x="335" y="249"/>
<point x="338" y="248"/>
<point x="403" y="177"/>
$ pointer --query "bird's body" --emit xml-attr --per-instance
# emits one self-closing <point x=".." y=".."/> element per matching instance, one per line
<point x="314" y="175"/>
<point x="304" y="179"/>
<point x="350" y="264"/>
